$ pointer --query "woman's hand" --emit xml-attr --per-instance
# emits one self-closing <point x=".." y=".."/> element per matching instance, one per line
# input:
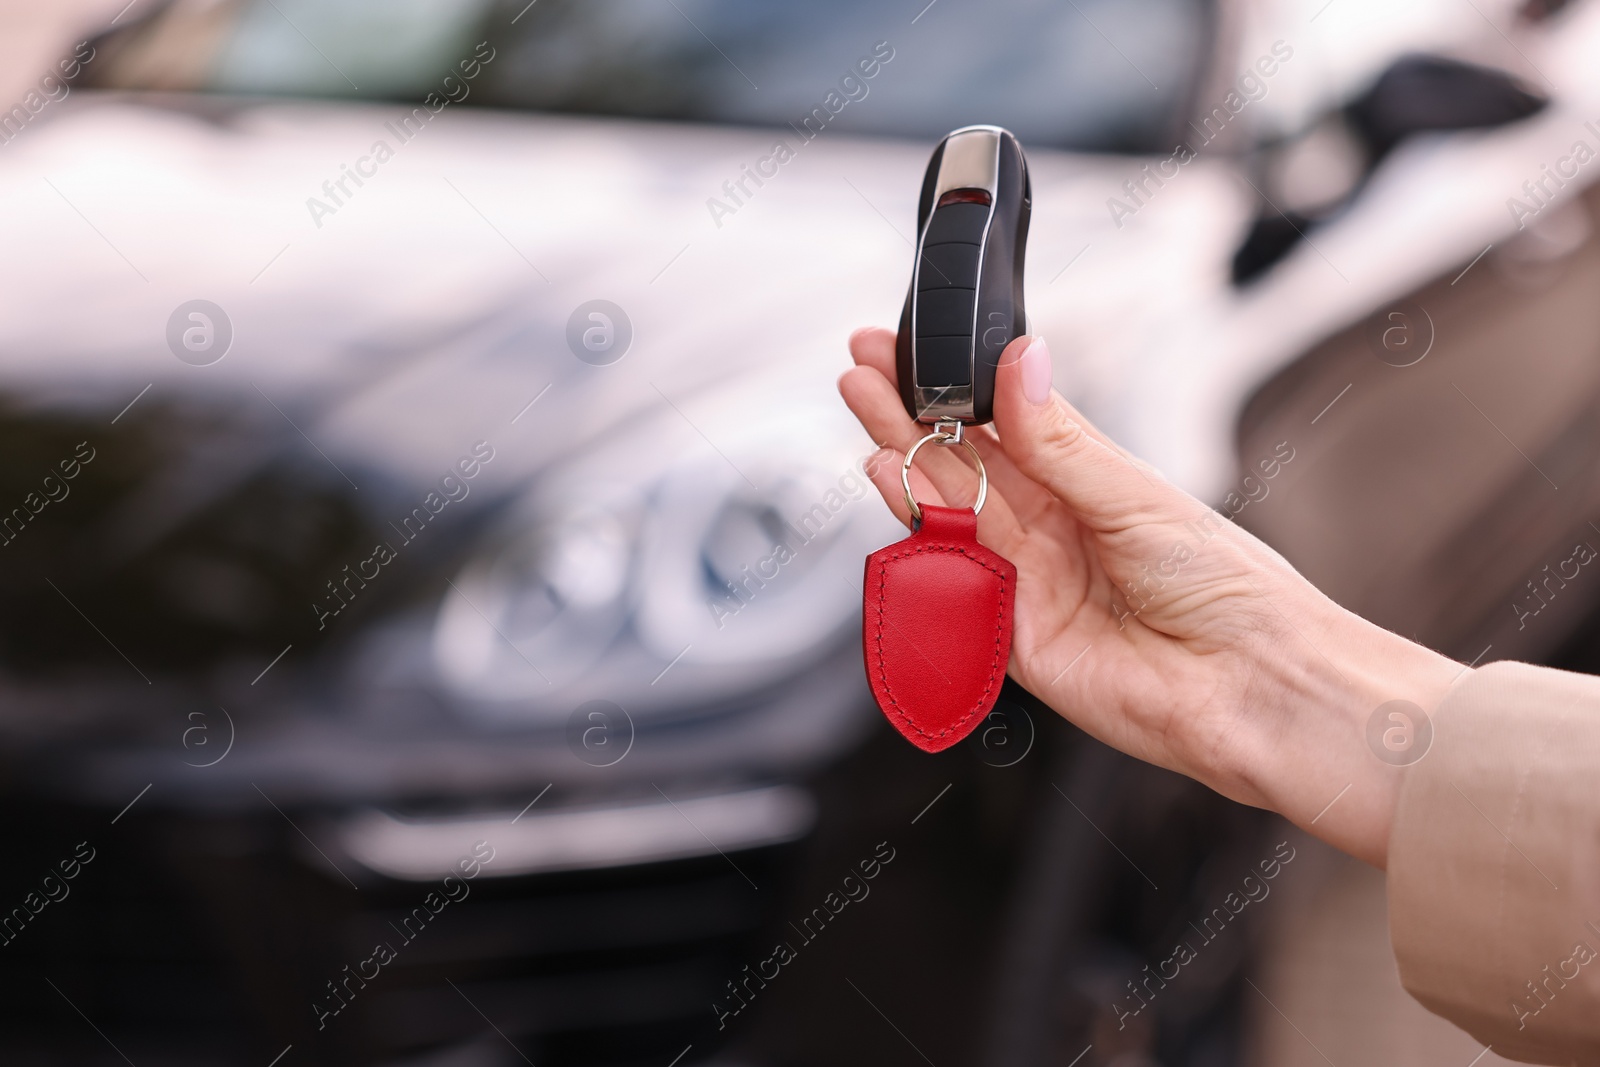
<point x="1152" y="622"/>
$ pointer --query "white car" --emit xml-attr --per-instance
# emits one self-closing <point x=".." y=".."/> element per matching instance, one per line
<point x="442" y="454"/>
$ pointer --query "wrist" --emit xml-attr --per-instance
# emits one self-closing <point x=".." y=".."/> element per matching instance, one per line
<point x="1357" y="710"/>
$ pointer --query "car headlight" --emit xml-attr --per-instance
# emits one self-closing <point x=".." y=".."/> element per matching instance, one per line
<point x="720" y="569"/>
<point x="541" y="608"/>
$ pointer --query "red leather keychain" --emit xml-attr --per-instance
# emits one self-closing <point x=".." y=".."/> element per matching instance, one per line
<point x="936" y="624"/>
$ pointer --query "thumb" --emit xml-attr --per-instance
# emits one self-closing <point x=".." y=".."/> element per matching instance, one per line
<point x="1053" y="444"/>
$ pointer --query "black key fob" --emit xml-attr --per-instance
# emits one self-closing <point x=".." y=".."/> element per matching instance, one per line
<point x="965" y="303"/>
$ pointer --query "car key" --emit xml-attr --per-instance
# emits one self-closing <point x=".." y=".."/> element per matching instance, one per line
<point x="965" y="302"/>
<point x="937" y="607"/>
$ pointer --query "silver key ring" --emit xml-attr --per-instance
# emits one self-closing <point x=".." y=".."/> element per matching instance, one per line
<point x="943" y="438"/>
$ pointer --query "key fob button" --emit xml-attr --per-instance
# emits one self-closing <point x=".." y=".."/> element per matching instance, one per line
<point x="945" y="312"/>
<point x="958" y="222"/>
<point x="948" y="266"/>
<point x="944" y="361"/>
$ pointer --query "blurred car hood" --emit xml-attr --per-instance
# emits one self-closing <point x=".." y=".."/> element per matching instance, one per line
<point x="437" y="295"/>
<point x="439" y="292"/>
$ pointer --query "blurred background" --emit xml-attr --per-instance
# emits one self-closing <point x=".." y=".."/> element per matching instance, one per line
<point x="431" y="541"/>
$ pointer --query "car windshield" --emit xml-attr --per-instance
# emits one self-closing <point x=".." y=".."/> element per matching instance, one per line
<point x="1087" y="74"/>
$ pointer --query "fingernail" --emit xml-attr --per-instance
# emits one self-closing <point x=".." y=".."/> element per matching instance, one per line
<point x="1036" y="372"/>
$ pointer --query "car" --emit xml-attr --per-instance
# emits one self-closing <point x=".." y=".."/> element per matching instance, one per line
<point x="443" y="649"/>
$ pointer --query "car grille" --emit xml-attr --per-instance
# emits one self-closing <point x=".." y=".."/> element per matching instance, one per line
<point x="207" y="940"/>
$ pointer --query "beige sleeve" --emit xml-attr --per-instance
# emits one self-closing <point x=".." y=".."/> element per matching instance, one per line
<point x="1494" y="864"/>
